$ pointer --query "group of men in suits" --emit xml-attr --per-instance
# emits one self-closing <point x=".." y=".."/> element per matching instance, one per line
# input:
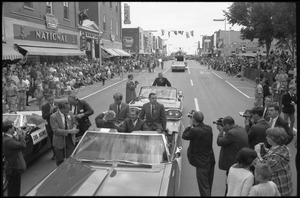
<point x="125" y="119"/>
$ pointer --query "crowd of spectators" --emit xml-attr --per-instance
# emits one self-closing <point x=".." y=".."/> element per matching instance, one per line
<point x="59" y="78"/>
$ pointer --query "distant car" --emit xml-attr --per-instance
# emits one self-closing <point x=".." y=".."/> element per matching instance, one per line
<point x="33" y="124"/>
<point x="109" y="163"/>
<point x="178" y="66"/>
<point x="170" y="97"/>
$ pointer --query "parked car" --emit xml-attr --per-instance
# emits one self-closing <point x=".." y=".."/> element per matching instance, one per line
<point x="33" y="124"/>
<point x="109" y="163"/>
<point x="170" y="97"/>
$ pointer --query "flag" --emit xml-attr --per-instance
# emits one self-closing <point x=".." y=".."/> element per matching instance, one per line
<point x="162" y="32"/>
<point x="175" y="32"/>
<point x="192" y="33"/>
<point x="187" y="35"/>
<point x="169" y="33"/>
<point x="180" y="32"/>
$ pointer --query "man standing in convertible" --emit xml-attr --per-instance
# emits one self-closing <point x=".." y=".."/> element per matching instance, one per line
<point x="161" y="81"/>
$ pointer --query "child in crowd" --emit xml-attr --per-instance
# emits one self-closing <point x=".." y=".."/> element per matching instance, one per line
<point x="265" y="187"/>
<point x="240" y="178"/>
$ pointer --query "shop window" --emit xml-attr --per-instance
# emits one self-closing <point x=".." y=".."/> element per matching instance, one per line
<point x="110" y="4"/>
<point x="66" y="10"/>
<point x="49" y="8"/>
<point x="117" y="8"/>
<point x="104" y="23"/>
<point x="28" y="4"/>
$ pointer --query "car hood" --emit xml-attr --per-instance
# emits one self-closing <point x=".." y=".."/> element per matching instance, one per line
<point x="168" y="104"/>
<point x="74" y="178"/>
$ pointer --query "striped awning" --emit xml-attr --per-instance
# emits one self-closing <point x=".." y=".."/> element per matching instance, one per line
<point x="121" y="52"/>
<point x="47" y="51"/>
<point x="9" y="53"/>
<point x="110" y="51"/>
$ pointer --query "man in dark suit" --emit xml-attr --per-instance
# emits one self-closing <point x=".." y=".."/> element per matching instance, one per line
<point x="277" y="121"/>
<point x="161" y="81"/>
<point x="155" y="114"/>
<point x="257" y="132"/>
<point x="107" y="120"/>
<point x="120" y="108"/>
<point x="268" y="102"/>
<point x="81" y="110"/>
<point x="231" y="139"/>
<point x="47" y="109"/>
<point x="200" y="152"/>
<point x="133" y="123"/>
<point x="289" y="100"/>
<point x="64" y="129"/>
<point x="13" y="143"/>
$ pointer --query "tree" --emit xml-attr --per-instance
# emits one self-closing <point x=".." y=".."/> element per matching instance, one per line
<point x="256" y="17"/>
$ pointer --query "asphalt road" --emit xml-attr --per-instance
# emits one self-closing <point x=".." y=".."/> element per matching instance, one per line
<point x="213" y="92"/>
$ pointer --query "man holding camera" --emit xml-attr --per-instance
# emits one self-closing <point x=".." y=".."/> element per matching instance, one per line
<point x="130" y="89"/>
<point x="231" y="139"/>
<point x="200" y="152"/>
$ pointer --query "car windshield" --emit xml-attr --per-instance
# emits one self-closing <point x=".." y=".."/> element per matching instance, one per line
<point x="12" y="117"/>
<point x="140" y="148"/>
<point x="161" y="92"/>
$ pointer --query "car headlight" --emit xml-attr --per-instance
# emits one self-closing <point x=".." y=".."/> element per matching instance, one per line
<point x="174" y="114"/>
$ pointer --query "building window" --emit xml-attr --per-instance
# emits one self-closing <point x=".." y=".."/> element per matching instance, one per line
<point x="103" y="3"/>
<point x="49" y="9"/>
<point x="104" y="23"/>
<point x="117" y="8"/>
<point x="28" y="4"/>
<point x="66" y="10"/>
<point x="111" y="25"/>
<point x="110" y="4"/>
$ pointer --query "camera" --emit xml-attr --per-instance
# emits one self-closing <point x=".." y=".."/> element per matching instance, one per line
<point x="246" y="114"/>
<point x="136" y="82"/>
<point x="219" y="122"/>
<point x="190" y="114"/>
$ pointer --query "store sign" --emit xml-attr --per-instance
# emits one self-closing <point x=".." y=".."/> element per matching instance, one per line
<point x="51" y="22"/>
<point x="83" y="42"/>
<point x="126" y="14"/>
<point x="128" y="41"/>
<point x="35" y="34"/>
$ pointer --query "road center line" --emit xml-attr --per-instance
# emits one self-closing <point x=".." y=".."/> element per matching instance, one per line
<point x="189" y="70"/>
<point x="191" y="82"/>
<point x="217" y="75"/>
<point x="237" y="89"/>
<point x="196" y="104"/>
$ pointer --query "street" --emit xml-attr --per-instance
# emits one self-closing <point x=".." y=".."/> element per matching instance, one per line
<point x="213" y="92"/>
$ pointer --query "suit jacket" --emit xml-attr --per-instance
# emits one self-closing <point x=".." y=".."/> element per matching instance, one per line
<point x="161" y="82"/>
<point x="158" y="117"/>
<point x="82" y="107"/>
<point x="124" y="111"/>
<point x="128" y="127"/>
<point x="11" y="147"/>
<point x="200" y="151"/>
<point x="257" y="133"/>
<point x="59" y="131"/>
<point x="288" y="108"/>
<point x="233" y="140"/>
<point x="46" y="113"/>
<point x="281" y="123"/>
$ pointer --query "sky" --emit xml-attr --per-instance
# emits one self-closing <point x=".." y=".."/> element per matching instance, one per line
<point x="179" y="16"/>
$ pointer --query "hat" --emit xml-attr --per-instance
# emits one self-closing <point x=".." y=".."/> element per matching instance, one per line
<point x="198" y="116"/>
<point x="110" y="115"/>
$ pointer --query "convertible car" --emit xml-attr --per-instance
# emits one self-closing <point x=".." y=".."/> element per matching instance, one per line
<point x="109" y="163"/>
<point x="33" y="124"/>
<point x="169" y="97"/>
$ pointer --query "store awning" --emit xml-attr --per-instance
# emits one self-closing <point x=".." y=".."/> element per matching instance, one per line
<point x="9" y="53"/>
<point x="110" y="51"/>
<point x="47" y="51"/>
<point x="121" y="52"/>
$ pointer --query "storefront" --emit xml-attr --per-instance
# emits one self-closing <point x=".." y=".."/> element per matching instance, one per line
<point x="41" y="43"/>
<point x="9" y="52"/>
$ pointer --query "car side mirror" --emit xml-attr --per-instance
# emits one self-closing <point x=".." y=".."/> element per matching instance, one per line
<point x="178" y="152"/>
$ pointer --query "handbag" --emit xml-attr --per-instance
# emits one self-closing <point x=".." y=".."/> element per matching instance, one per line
<point x="21" y="164"/>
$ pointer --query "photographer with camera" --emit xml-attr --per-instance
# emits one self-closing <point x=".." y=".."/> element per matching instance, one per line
<point x="231" y="139"/>
<point x="200" y="151"/>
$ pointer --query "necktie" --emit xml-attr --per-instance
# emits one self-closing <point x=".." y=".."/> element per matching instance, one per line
<point x="118" y="109"/>
<point x="152" y="110"/>
<point x="66" y="124"/>
<point x="271" y="122"/>
<point x="75" y="110"/>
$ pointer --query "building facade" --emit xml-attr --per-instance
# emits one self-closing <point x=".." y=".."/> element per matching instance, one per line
<point x="42" y="31"/>
<point x="133" y="40"/>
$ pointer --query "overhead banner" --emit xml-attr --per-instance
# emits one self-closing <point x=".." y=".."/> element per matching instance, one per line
<point x="126" y="14"/>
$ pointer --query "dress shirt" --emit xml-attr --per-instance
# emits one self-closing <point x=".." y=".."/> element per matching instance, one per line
<point x="273" y="121"/>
